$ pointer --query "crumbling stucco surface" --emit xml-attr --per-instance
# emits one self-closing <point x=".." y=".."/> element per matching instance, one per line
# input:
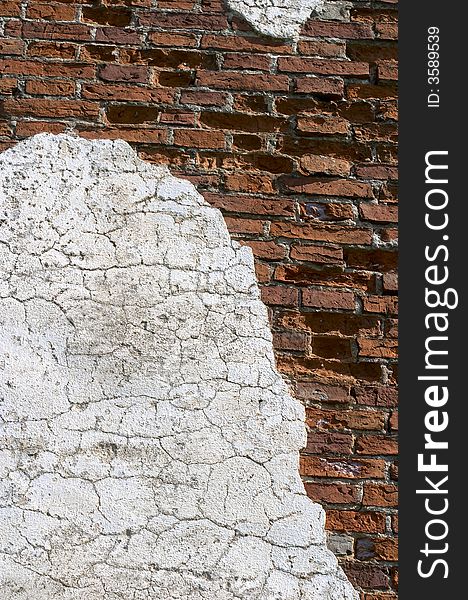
<point x="149" y="447"/>
<point x="276" y="18"/>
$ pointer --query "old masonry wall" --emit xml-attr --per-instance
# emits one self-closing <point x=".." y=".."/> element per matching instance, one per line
<point x="295" y="141"/>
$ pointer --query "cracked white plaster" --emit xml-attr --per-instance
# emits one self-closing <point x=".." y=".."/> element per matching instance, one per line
<point x="149" y="447"/>
<point x="276" y="18"/>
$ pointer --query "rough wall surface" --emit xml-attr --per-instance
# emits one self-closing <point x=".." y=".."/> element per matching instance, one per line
<point x="296" y="143"/>
<point x="150" y="448"/>
<point x="276" y="18"/>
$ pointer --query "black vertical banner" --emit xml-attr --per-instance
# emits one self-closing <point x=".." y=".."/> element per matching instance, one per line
<point x="433" y="317"/>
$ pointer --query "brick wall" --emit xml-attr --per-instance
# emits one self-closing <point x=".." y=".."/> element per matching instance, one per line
<point x="296" y="144"/>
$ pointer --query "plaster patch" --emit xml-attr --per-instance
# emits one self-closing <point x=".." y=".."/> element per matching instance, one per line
<point x="276" y="18"/>
<point x="149" y="447"/>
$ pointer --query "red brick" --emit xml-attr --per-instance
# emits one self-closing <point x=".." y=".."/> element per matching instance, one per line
<point x="62" y="50"/>
<point x="330" y="323"/>
<point x="10" y="8"/>
<point x="381" y="495"/>
<point x="379" y="213"/>
<point x="332" y="87"/>
<point x="332" y="347"/>
<point x="252" y="62"/>
<point x="323" y="125"/>
<point x="117" y="35"/>
<point x="50" y="11"/>
<point x="240" y="81"/>
<point x="196" y="138"/>
<point x="56" y="31"/>
<point x="377" y="549"/>
<point x="131" y="114"/>
<point x="268" y="250"/>
<point x="376" y="396"/>
<point x="280" y="295"/>
<point x="124" y="73"/>
<point x="376" y="444"/>
<point x="250" y="182"/>
<point x="318" y="254"/>
<point x="381" y="304"/>
<point x="332" y="493"/>
<point x="322" y="48"/>
<point x="328" y="299"/>
<point x="355" y="522"/>
<point x="39" y="107"/>
<point x="47" y="69"/>
<point x="184" y="20"/>
<point x="349" y="31"/>
<point x="172" y="39"/>
<point x="290" y="340"/>
<point x="29" y="128"/>
<point x="317" y="392"/>
<point x="245" y="225"/>
<point x="346" y="419"/>
<point x="101" y="91"/>
<point x="387" y="70"/>
<point x="8" y="85"/>
<point x="325" y="165"/>
<point x="239" y="43"/>
<point x="50" y="88"/>
<point x="321" y="233"/>
<point x="255" y="206"/>
<point x="366" y="576"/>
<point x="11" y="46"/>
<point x="329" y="187"/>
<point x="202" y="98"/>
<point x="342" y="468"/>
<point x="131" y="135"/>
<point x="344" y="68"/>
<point x="378" y="348"/>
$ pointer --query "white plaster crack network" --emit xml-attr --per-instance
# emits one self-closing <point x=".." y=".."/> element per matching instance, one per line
<point x="149" y="448"/>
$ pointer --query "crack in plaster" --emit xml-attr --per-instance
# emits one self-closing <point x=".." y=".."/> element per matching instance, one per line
<point x="149" y="448"/>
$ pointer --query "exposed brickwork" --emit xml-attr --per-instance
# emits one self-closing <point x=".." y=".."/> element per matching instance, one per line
<point x="296" y="144"/>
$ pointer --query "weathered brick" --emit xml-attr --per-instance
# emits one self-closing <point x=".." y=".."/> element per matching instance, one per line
<point x="378" y="348"/>
<point x="367" y="576"/>
<point x="328" y="299"/>
<point x="184" y="20"/>
<point x="342" y="468"/>
<point x="346" y="419"/>
<point x="50" y="88"/>
<point x="50" y="11"/>
<point x="377" y="549"/>
<point x="376" y="444"/>
<point x="196" y="138"/>
<point x="318" y="254"/>
<point x="344" y="68"/>
<point x="323" y="125"/>
<point x="382" y="495"/>
<point x="131" y="114"/>
<point x="349" y="31"/>
<point x="321" y="233"/>
<point x="280" y="295"/>
<point x="124" y="73"/>
<point x="381" y="304"/>
<point x="234" y="80"/>
<point x="118" y="16"/>
<point x="379" y="213"/>
<point x="56" y="31"/>
<point x="238" y="43"/>
<point x="332" y="87"/>
<point x="290" y="340"/>
<point x="355" y="521"/>
<point x="332" y="493"/>
<point x="39" y="107"/>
